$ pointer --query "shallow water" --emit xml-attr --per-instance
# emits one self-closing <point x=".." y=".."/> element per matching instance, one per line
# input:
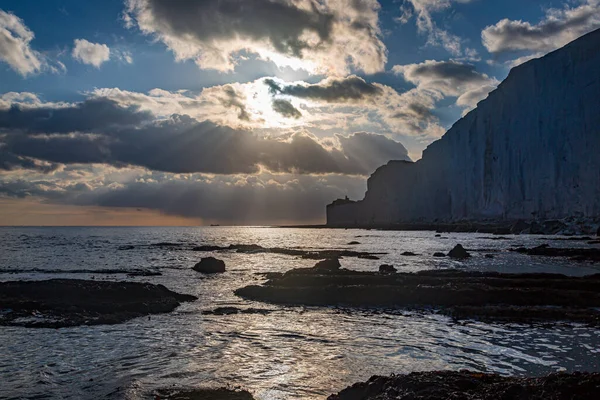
<point x="291" y="353"/>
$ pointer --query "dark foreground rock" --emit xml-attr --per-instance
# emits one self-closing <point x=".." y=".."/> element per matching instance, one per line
<point x="576" y="254"/>
<point x="210" y="265"/>
<point x="202" y="394"/>
<point x="437" y="385"/>
<point x="309" y="254"/>
<point x="461" y="294"/>
<point x="234" y="310"/>
<point x="458" y="252"/>
<point x="60" y="303"/>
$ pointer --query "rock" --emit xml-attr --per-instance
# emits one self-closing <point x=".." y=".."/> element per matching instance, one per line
<point x="353" y="243"/>
<point x="463" y="384"/>
<point x="208" y="247"/>
<point x="598" y="232"/>
<point x="576" y="254"/>
<point x="210" y="265"/>
<point x="235" y="310"/>
<point x="458" y="252"/>
<point x="519" y="227"/>
<point x="489" y="256"/>
<point x="57" y="303"/>
<point x="437" y="235"/>
<point x="330" y="264"/>
<point x="408" y="253"/>
<point x="387" y="269"/>
<point x="126" y="247"/>
<point x="203" y="394"/>
<point x="439" y="254"/>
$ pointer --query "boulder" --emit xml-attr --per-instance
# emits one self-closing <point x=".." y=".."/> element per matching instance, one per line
<point x="458" y="252"/>
<point x="519" y="227"/>
<point x="439" y="254"/>
<point x="210" y="265"/>
<point x="330" y="264"/>
<point x="353" y="243"/>
<point x="408" y="253"/>
<point x="387" y="269"/>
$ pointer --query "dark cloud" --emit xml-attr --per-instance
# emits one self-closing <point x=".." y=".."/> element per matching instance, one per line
<point x="263" y="199"/>
<point x="11" y="162"/>
<point x="351" y="88"/>
<point x="91" y="115"/>
<point x="179" y="144"/>
<point x="286" y="108"/>
<point x="233" y="99"/>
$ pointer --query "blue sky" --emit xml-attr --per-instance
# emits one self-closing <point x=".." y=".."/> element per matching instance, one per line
<point x="319" y="93"/>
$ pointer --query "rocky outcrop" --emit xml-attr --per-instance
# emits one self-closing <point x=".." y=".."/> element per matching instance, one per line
<point x="210" y="265"/>
<point x="57" y="303"/>
<point x="435" y="385"/>
<point x="458" y="252"/>
<point x="460" y="294"/>
<point x="527" y="152"/>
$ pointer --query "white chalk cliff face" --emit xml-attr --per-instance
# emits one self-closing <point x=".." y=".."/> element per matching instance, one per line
<point x="531" y="150"/>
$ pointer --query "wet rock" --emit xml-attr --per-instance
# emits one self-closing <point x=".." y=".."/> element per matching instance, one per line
<point x="598" y="232"/>
<point x="435" y="385"/>
<point x="368" y="257"/>
<point x="458" y="252"/>
<point x="210" y="265"/>
<point x="387" y="269"/>
<point x="437" y="235"/>
<point x="308" y="254"/>
<point x="202" y="394"/>
<point x="594" y="242"/>
<point x="489" y="256"/>
<point x="576" y="254"/>
<point x="59" y="303"/>
<point x="408" y="253"/>
<point x="353" y="243"/>
<point x="439" y="254"/>
<point x="126" y="247"/>
<point x="462" y="294"/>
<point x="330" y="264"/>
<point x="206" y="247"/>
<point x="235" y="310"/>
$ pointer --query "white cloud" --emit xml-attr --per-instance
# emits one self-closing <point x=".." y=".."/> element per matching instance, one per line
<point x="449" y="79"/>
<point x="15" y="50"/>
<point x="559" y="27"/>
<point x="329" y="36"/>
<point x="422" y="11"/>
<point x="90" y="53"/>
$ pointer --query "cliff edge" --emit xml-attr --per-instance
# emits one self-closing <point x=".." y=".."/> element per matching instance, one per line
<point x="529" y="151"/>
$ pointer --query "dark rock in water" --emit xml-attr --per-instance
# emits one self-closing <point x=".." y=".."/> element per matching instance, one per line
<point x="576" y="254"/>
<point x="519" y="227"/>
<point x="461" y="294"/>
<point x="550" y="227"/>
<point x="458" y="252"/>
<point x="489" y="256"/>
<point x="598" y="232"/>
<point x="207" y="247"/>
<point x="437" y="385"/>
<point x="387" y="269"/>
<point x="126" y="247"/>
<point x="408" y="253"/>
<point x="330" y="264"/>
<point x="439" y="254"/>
<point x="203" y="394"/>
<point x="368" y="257"/>
<point x="144" y="273"/>
<point x="235" y="310"/>
<point x="210" y="265"/>
<point x="309" y="254"/>
<point x="437" y="235"/>
<point x="353" y="243"/>
<point x="166" y="244"/>
<point x="594" y="242"/>
<point x="60" y="303"/>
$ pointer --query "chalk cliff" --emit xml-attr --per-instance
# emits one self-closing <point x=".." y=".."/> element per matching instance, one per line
<point x="531" y="150"/>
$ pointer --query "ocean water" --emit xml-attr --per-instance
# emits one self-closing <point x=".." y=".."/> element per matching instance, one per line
<point x="291" y="353"/>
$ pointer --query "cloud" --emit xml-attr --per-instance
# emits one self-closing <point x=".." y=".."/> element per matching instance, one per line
<point x="559" y="27"/>
<point x="258" y="199"/>
<point x="90" y="53"/>
<point x="15" y="50"/>
<point x="422" y="11"/>
<point x="449" y="79"/>
<point x="286" y="108"/>
<point x="329" y="36"/>
<point x="329" y="90"/>
<point x="99" y="130"/>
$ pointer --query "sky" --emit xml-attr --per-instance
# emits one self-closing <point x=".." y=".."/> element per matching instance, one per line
<point x="191" y="112"/>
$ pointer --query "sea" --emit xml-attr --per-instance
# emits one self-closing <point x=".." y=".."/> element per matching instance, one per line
<point x="289" y="353"/>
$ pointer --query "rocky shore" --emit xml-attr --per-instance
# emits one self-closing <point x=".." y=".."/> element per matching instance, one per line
<point x="58" y="303"/>
<point x="460" y="294"/>
<point x="438" y="385"/>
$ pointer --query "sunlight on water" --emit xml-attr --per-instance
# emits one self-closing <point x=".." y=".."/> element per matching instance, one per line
<point x="290" y="353"/>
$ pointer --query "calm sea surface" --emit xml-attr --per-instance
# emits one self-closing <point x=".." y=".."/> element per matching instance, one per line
<point x="291" y="353"/>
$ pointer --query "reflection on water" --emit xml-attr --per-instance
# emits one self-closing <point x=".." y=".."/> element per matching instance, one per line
<point x="296" y="352"/>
